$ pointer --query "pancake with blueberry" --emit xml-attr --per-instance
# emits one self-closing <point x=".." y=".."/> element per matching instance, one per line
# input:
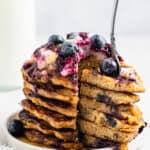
<point x="109" y="121"/>
<point x="51" y="92"/>
<point x="93" y="142"/>
<point x="62" y="107"/>
<point x="107" y="96"/>
<point x="31" y="122"/>
<point x="130" y="113"/>
<point x="50" y="141"/>
<point x="99" y="131"/>
<point x="128" y="81"/>
<point x="54" y="119"/>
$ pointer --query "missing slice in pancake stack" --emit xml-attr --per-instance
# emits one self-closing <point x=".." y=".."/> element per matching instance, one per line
<point x="70" y="104"/>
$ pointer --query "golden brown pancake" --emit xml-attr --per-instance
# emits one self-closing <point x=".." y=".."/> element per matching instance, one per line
<point x="54" y="119"/>
<point x="61" y="94"/>
<point x="102" y="132"/>
<point x="108" y="121"/>
<point x="64" y="108"/>
<point x="131" y="113"/>
<point x="105" y="82"/>
<point x="31" y="122"/>
<point x="50" y="141"/>
<point x="94" y="142"/>
<point x="112" y="97"/>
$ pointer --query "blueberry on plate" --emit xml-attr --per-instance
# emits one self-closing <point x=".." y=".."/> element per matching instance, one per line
<point x="109" y="67"/>
<point x="71" y="35"/>
<point x="68" y="49"/>
<point x="55" y="39"/>
<point x="15" y="128"/>
<point x="97" y="41"/>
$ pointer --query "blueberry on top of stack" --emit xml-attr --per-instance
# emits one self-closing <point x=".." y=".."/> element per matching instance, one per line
<point x="68" y="91"/>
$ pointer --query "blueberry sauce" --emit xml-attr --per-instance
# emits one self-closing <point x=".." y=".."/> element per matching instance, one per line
<point x="68" y="65"/>
<point x="26" y="65"/>
<point x="125" y="80"/>
<point x="83" y="35"/>
<point x="66" y="62"/>
<point x="31" y="70"/>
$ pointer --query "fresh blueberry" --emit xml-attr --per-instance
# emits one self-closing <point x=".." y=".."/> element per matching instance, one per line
<point x="97" y="41"/>
<point x="68" y="49"/>
<point x="109" y="67"/>
<point x="55" y="39"/>
<point x="111" y="120"/>
<point x="71" y="35"/>
<point x="15" y="127"/>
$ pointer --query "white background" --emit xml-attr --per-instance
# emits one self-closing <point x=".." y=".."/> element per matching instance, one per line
<point x="92" y="15"/>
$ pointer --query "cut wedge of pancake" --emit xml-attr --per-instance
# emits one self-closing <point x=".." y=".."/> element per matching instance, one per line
<point x="61" y="94"/>
<point x="31" y="122"/>
<point x="50" y="141"/>
<point x="99" y="131"/>
<point x="33" y="74"/>
<point x="130" y="113"/>
<point x="109" y="121"/>
<point x="54" y="119"/>
<point x="108" y="96"/>
<point x="52" y="104"/>
<point x="123" y="84"/>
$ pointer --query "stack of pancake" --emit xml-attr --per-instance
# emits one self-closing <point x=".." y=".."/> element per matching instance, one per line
<point x="49" y="111"/>
<point x="62" y="75"/>
<point x="108" y="115"/>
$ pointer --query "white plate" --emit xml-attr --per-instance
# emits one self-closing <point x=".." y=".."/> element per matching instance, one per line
<point x="140" y="143"/>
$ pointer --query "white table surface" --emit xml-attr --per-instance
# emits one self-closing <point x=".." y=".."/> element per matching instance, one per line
<point x="135" y="50"/>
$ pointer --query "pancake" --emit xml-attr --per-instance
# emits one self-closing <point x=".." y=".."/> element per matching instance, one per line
<point x="31" y="122"/>
<point x="65" y="95"/>
<point x="31" y="73"/>
<point x="94" y="142"/>
<point x="50" y="141"/>
<point x="52" y="104"/>
<point x="54" y="119"/>
<point x="124" y="83"/>
<point x="102" y="132"/>
<point x="111" y="97"/>
<point x="130" y="113"/>
<point x="108" y="121"/>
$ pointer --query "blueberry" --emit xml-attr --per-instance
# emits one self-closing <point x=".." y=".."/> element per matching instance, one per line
<point x="71" y="35"/>
<point x="15" y="127"/>
<point x="68" y="49"/>
<point x="109" y="67"/>
<point x="55" y="39"/>
<point x="97" y="41"/>
<point x="111" y="120"/>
